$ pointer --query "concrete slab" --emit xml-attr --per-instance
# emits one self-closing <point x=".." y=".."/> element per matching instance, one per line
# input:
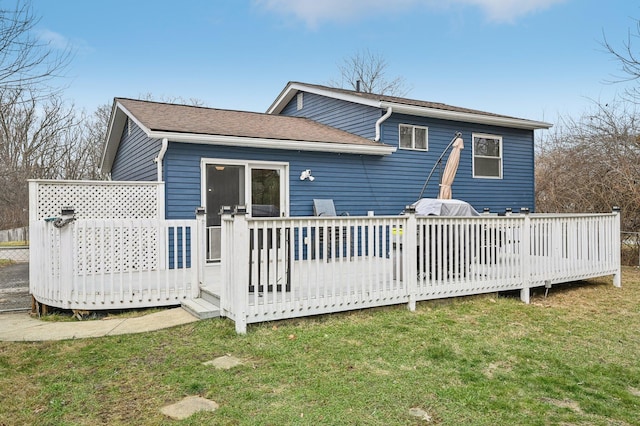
<point x="14" y="287"/>
<point x="22" y="327"/>
<point x="225" y="362"/>
<point x="189" y="406"/>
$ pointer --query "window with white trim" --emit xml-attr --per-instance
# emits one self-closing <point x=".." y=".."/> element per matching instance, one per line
<point x="487" y="156"/>
<point x="414" y="137"/>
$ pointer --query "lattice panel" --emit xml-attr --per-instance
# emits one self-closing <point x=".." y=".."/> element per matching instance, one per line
<point x="112" y="250"/>
<point x="99" y="200"/>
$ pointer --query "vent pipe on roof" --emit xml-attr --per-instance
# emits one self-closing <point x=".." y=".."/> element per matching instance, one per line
<point x="357" y="85"/>
<point x="380" y="121"/>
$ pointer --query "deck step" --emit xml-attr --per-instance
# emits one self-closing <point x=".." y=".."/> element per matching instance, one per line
<point x="201" y="308"/>
<point x="209" y="296"/>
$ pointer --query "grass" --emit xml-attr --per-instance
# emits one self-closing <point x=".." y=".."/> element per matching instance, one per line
<point x="570" y="358"/>
<point x="5" y="262"/>
<point x="14" y="243"/>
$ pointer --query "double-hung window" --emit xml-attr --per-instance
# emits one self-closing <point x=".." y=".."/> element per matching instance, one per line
<point x="414" y="137"/>
<point x="487" y="156"/>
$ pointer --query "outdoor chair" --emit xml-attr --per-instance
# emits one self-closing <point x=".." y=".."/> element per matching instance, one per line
<point x="324" y="208"/>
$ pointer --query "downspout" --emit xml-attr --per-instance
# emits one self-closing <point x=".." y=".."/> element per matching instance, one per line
<point x="160" y="157"/>
<point x="380" y="121"/>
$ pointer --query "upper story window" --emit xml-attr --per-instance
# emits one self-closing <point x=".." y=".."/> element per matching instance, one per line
<point x="414" y="137"/>
<point x="487" y="156"/>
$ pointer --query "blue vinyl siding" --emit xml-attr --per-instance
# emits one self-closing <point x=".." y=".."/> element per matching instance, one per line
<point x="353" y="118"/>
<point x="134" y="160"/>
<point x="401" y="175"/>
<point x="514" y="190"/>
<point x="359" y="183"/>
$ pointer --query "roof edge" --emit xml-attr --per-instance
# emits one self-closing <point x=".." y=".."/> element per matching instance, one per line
<point x="243" y="141"/>
<point x="293" y="88"/>
<point x="119" y="114"/>
<point x="473" y="117"/>
<point x="496" y="120"/>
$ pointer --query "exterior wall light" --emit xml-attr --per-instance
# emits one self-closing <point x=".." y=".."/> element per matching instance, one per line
<point x="307" y="175"/>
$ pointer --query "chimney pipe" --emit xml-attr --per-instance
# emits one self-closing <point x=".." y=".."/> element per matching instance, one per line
<point x="357" y="85"/>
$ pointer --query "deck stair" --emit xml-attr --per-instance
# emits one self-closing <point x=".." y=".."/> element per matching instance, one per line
<point x="203" y="307"/>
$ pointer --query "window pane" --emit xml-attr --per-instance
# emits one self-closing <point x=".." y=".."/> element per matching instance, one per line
<point x="421" y="138"/>
<point x="487" y="147"/>
<point x="406" y="137"/>
<point x="265" y="193"/>
<point x="225" y="187"/>
<point x="488" y="167"/>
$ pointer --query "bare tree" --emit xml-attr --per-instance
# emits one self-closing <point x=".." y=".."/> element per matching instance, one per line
<point x="366" y="71"/>
<point x="628" y="56"/>
<point x="25" y="61"/>
<point x="30" y="147"/>
<point x="592" y="164"/>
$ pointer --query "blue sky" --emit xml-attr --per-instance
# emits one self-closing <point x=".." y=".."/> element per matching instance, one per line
<point x="532" y="59"/>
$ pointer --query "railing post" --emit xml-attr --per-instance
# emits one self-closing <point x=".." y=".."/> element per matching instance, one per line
<point x="525" y="256"/>
<point x="239" y="263"/>
<point x="201" y="241"/>
<point x="67" y="255"/>
<point x="617" y="277"/>
<point x="409" y="235"/>
<point x="36" y="256"/>
<point x="226" y="256"/>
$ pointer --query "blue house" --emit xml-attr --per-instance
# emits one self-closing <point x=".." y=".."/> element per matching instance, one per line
<point x="367" y="152"/>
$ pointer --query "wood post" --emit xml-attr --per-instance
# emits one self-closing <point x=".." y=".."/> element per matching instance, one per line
<point x="617" y="277"/>
<point x="240" y="266"/>
<point x="410" y="239"/>
<point x="525" y="256"/>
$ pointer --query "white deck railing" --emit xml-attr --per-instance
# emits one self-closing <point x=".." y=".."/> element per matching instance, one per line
<point x="290" y="267"/>
<point x="278" y="268"/>
<point x="114" y="263"/>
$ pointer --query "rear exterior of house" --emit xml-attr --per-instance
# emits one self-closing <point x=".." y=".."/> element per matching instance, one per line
<point x="359" y="173"/>
<point x="496" y="168"/>
<point x="141" y="240"/>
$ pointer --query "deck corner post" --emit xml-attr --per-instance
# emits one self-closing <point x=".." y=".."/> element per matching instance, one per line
<point x="617" y="277"/>
<point x="525" y="253"/>
<point x="410" y="237"/>
<point x="201" y="244"/>
<point x="239" y="262"/>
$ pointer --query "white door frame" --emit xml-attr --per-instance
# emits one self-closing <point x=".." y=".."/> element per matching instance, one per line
<point x="283" y="167"/>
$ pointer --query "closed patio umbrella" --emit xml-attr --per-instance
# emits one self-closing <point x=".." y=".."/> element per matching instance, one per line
<point x="450" y="170"/>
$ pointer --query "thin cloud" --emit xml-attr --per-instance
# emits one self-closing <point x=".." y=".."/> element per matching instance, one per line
<point x="510" y="10"/>
<point x="314" y="12"/>
<point x="59" y="42"/>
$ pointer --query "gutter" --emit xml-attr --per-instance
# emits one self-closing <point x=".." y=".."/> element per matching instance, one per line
<point x="512" y="122"/>
<point x="243" y="141"/>
<point x="382" y="120"/>
<point x="160" y="157"/>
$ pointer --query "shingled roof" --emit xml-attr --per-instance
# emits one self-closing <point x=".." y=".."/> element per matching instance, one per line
<point x="404" y="106"/>
<point x="186" y="119"/>
<point x="193" y="124"/>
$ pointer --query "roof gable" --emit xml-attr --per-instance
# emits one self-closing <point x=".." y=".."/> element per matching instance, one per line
<point x="193" y="124"/>
<point x="404" y="106"/>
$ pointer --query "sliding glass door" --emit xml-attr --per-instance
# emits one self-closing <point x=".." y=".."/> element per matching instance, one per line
<point x="227" y="183"/>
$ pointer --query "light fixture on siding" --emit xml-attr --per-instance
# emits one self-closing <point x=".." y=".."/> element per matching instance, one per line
<point x="307" y="175"/>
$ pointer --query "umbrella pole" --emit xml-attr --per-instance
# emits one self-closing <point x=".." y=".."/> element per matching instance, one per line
<point x="456" y="136"/>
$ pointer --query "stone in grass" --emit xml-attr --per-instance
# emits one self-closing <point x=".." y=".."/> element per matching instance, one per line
<point x="420" y="413"/>
<point x="189" y="406"/>
<point x="224" y="362"/>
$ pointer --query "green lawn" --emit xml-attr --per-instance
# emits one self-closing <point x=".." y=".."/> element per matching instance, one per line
<point x="569" y="359"/>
